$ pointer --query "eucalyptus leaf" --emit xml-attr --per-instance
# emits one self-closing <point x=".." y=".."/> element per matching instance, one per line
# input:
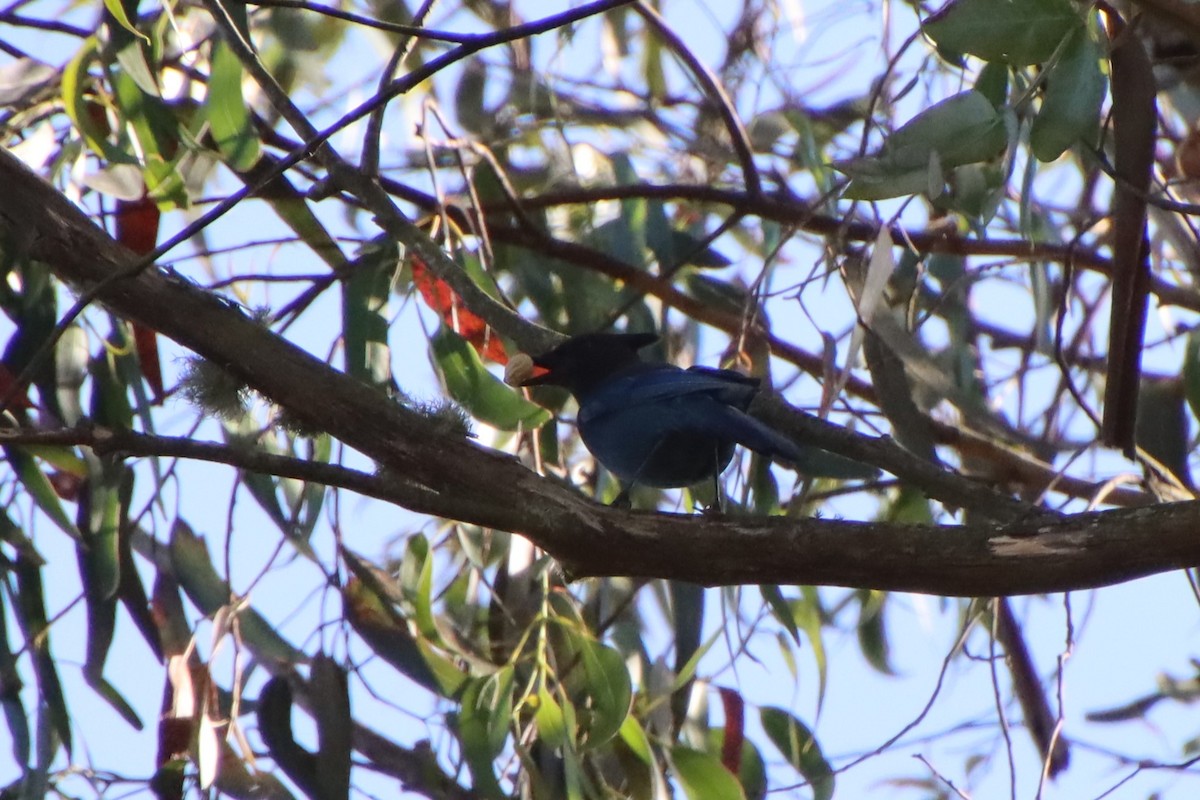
<point x="479" y="391"/>
<point x="1075" y="89"/>
<point x="1017" y="32"/>
<point x="796" y="742"/>
<point x="704" y="777"/>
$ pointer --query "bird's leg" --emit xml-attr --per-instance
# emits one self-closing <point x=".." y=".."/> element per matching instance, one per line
<point x="622" y="499"/>
<point x="715" y="508"/>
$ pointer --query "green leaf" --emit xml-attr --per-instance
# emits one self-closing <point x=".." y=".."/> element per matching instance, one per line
<point x="132" y="59"/>
<point x="877" y="179"/>
<point x="1191" y="371"/>
<point x="1162" y="425"/>
<point x="38" y="485"/>
<point x="719" y="294"/>
<point x="132" y="593"/>
<point x="689" y="669"/>
<point x="551" y="721"/>
<point x="642" y="773"/>
<point x="992" y="83"/>
<point x="266" y="489"/>
<point x="469" y="97"/>
<point x="1018" y="32"/>
<point x="416" y="579"/>
<point x="618" y="239"/>
<point x="117" y="9"/>
<point x="228" y="114"/>
<point x="365" y="295"/>
<point x="634" y="737"/>
<point x="609" y="688"/>
<point x="331" y="715"/>
<point x="483" y="394"/>
<point x="817" y="463"/>
<point x="780" y="609"/>
<point x="156" y="129"/>
<point x="693" y="251"/>
<point x="1075" y="88"/>
<point x="703" y="776"/>
<point x="810" y="616"/>
<point x="962" y="129"/>
<point x="482" y="722"/>
<point x="652" y="68"/>
<point x="385" y="631"/>
<point x="30" y="612"/>
<point x="10" y="683"/>
<point x="100" y="517"/>
<point x="687" y="617"/>
<point x="291" y="206"/>
<point x="262" y="487"/>
<point x="194" y="570"/>
<point x="752" y="772"/>
<point x="674" y="248"/>
<point x="274" y="714"/>
<point x="115" y="699"/>
<point x="78" y="102"/>
<point x="910" y="425"/>
<point x="109" y="402"/>
<point x="910" y="506"/>
<point x="797" y="744"/>
<point x="314" y="493"/>
<point x="100" y="570"/>
<point x="872" y="634"/>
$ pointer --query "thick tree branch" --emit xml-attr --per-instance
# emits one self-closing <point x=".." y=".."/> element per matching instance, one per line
<point x="492" y="489"/>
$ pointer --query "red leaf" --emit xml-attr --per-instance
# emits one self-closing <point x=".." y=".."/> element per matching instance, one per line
<point x="441" y="298"/>
<point x="735" y="729"/>
<point x="19" y="399"/>
<point x="137" y="224"/>
<point x="146" y="341"/>
<point x="137" y="229"/>
<point x="66" y="485"/>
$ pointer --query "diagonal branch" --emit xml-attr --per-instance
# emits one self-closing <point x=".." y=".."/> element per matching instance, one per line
<point x="494" y="490"/>
<point x="716" y="93"/>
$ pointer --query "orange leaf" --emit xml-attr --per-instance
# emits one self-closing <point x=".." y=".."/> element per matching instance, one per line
<point x="441" y="298"/>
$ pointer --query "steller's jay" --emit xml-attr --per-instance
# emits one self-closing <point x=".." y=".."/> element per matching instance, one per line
<point x="654" y="423"/>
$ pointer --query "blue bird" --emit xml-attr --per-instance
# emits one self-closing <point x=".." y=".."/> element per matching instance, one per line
<point x="654" y="423"/>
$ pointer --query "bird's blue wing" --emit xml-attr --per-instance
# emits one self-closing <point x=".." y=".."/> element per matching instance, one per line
<point x="653" y="386"/>
<point x="700" y="400"/>
<point x="735" y="424"/>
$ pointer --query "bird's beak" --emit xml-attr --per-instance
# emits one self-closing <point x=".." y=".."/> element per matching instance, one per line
<point x="541" y="377"/>
<point x="524" y="370"/>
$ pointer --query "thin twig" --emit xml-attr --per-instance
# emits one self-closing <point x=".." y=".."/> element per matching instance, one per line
<point x="416" y="31"/>
<point x="715" y="91"/>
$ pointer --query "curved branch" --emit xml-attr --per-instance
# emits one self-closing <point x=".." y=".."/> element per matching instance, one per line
<point x="716" y="92"/>
<point x="788" y="209"/>
<point x="495" y="490"/>
<point x="130" y="444"/>
<point x="417" y="31"/>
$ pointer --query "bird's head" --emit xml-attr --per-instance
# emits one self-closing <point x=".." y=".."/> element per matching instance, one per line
<point x="582" y="362"/>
